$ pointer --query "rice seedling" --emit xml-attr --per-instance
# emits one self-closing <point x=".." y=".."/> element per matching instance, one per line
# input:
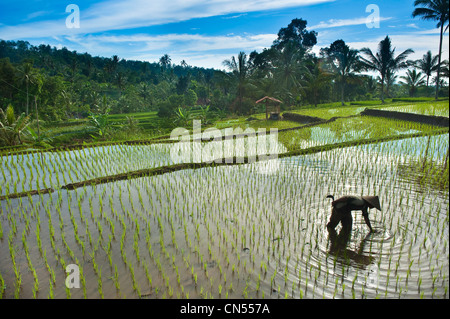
<point x="242" y="244"/>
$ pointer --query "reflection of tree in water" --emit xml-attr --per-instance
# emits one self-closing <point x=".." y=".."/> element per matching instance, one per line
<point x="348" y="126"/>
<point x="339" y="248"/>
<point x="425" y="172"/>
<point x="292" y="139"/>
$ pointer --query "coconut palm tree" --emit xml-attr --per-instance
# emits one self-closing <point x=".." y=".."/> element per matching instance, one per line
<point x="428" y="64"/>
<point x="165" y="61"/>
<point x="434" y="10"/>
<point x="27" y="75"/>
<point x="389" y="82"/>
<point x="287" y="68"/>
<point x="412" y="80"/>
<point x="343" y="62"/>
<point x="315" y="79"/>
<point x="240" y="75"/>
<point x="384" y="61"/>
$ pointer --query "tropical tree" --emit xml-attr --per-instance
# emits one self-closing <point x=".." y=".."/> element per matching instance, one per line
<point x="434" y="10"/>
<point x="240" y="76"/>
<point x="121" y="81"/>
<point x="389" y="82"/>
<point x="27" y="75"/>
<point x="100" y="123"/>
<point x="111" y="65"/>
<point x="445" y="69"/>
<point x="296" y="33"/>
<point x="413" y="80"/>
<point x="12" y="128"/>
<point x="384" y="61"/>
<point x="315" y="80"/>
<point x="165" y="61"/>
<point x="343" y="62"/>
<point x="287" y="69"/>
<point x="428" y="64"/>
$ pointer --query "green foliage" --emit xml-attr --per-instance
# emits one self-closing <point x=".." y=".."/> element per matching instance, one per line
<point x="100" y="123"/>
<point x="11" y="128"/>
<point x="40" y="140"/>
<point x="190" y="98"/>
<point x="183" y="117"/>
<point x="69" y="85"/>
<point x="385" y="62"/>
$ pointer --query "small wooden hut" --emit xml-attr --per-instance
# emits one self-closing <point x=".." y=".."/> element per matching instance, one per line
<point x="274" y="104"/>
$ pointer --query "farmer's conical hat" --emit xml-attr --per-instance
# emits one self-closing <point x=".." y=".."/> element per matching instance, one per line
<point x="372" y="200"/>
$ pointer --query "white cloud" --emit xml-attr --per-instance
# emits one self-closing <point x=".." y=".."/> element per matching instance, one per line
<point x="412" y="25"/>
<point x="196" y="49"/>
<point x="118" y="14"/>
<point x="333" y="23"/>
<point x="419" y="43"/>
<point x="235" y="16"/>
<point x="178" y="42"/>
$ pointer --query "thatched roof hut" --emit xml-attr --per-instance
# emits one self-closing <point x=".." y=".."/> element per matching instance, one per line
<point x="271" y="101"/>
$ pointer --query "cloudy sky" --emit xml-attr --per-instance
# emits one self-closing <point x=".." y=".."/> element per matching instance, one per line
<point x="206" y="32"/>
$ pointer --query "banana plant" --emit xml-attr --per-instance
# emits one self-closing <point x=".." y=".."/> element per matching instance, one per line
<point x="182" y="116"/>
<point x="100" y="123"/>
<point x="12" y="128"/>
<point x="43" y="140"/>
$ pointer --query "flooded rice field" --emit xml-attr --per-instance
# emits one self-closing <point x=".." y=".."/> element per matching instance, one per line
<point x="232" y="231"/>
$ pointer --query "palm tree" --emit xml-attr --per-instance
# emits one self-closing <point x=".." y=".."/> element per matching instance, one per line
<point x="315" y="80"/>
<point x="240" y="75"/>
<point x="287" y="67"/>
<point x="343" y="62"/>
<point x="165" y="61"/>
<point x="121" y="81"/>
<point x="435" y="10"/>
<point x="184" y="64"/>
<point x="445" y="69"/>
<point x="27" y="75"/>
<point x="428" y="64"/>
<point x="412" y="80"/>
<point x="384" y="61"/>
<point x="389" y="81"/>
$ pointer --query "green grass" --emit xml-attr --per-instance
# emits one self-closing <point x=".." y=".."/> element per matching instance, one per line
<point x="348" y="129"/>
<point x="328" y="113"/>
<point x="433" y="108"/>
<point x="427" y="106"/>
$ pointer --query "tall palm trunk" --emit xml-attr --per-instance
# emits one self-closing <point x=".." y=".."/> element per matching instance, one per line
<point x="439" y="62"/>
<point x="27" y="98"/>
<point x="343" y="81"/>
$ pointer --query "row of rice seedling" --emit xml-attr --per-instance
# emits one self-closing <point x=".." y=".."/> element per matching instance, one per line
<point x="24" y="172"/>
<point x="438" y="108"/>
<point x="348" y="129"/>
<point x="234" y="232"/>
<point x="328" y="113"/>
<point x="34" y="171"/>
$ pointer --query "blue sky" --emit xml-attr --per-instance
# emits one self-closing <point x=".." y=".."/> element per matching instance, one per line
<point x="204" y="33"/>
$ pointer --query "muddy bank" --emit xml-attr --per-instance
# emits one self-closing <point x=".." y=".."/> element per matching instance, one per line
<point x="304" y="119"/>
<point x="153" y="172"/>
<point x="28" y="193"/>
<point x="411" y="117"/>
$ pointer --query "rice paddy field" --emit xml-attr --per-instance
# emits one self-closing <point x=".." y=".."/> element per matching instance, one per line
<point x="434" y="108"/>
<point x="232" y="231"/>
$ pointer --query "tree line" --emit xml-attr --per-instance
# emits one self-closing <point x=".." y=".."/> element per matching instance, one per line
<point x="67" y="84"/>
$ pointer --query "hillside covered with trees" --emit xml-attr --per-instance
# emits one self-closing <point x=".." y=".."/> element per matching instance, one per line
<point x="65" y="84"/>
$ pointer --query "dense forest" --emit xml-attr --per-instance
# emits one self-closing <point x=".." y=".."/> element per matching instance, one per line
<point x="66" y="84"/>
